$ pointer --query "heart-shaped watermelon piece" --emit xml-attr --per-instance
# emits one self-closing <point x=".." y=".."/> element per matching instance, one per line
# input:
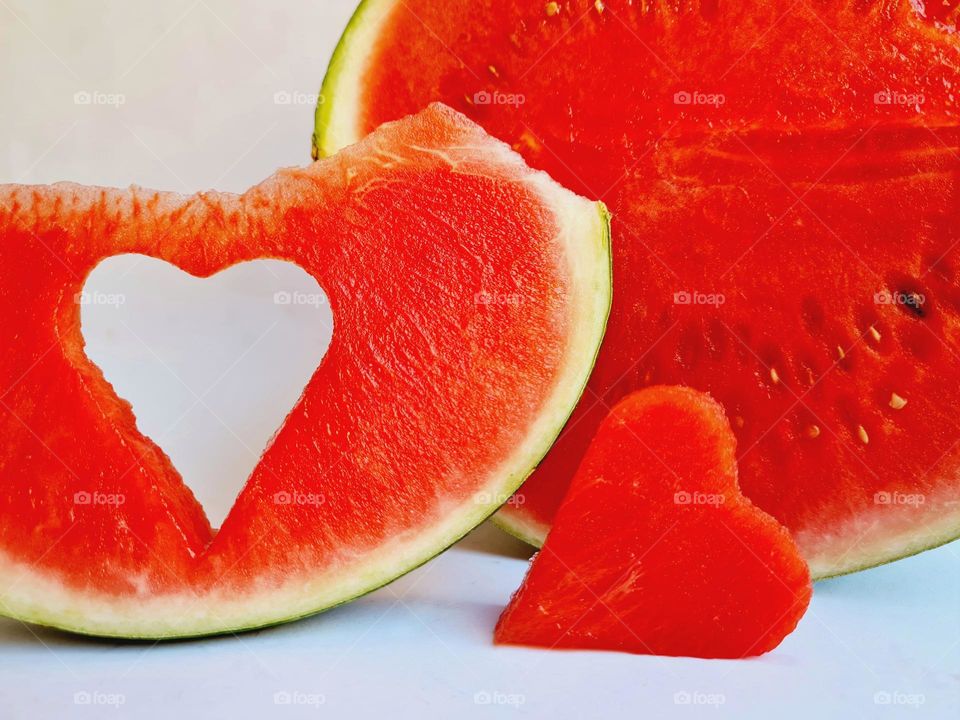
<point x="469" y="296"/>
<point x="655" y="551"/>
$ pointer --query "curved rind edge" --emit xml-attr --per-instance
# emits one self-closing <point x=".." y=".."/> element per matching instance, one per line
<point x="332" y="132"/>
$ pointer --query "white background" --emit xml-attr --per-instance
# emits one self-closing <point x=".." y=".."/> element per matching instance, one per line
<point x="213" y="366"/>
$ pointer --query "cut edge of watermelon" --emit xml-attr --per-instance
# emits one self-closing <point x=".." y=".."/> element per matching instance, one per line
<point x="891" y="547"/>
<point x="584" y="232"/>
<point x="342" y="79"/>
<point x="523" y="528"/>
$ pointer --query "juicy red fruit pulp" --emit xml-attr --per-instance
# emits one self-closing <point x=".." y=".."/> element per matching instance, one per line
<point x="654" y="550"/>
<point x="784" y="179"/>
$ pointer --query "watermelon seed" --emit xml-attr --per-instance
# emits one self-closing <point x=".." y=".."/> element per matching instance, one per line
<point x="913" y="303"/>
<point x="493" y="71"/>
<point x="774" y="375"/>
<point x="862" y="434"/>
<point x="897" y="402"/>
<point x="599" y="6"/>
<point x="874" y="333"/>
<point x="552" y="9"/>
<point x="813" y="432"/>
<point x="840" y="352"/>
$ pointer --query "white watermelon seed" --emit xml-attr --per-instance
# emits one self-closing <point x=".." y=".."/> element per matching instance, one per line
<point x="897" y="402"/>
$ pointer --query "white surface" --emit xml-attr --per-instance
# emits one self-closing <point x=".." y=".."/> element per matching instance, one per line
<point x="211" y="376"/>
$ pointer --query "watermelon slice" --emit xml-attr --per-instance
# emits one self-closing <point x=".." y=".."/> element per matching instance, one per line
<point x="469" y="295"/>
<point x="784" y="183"/>
<point x="655" y="551"/>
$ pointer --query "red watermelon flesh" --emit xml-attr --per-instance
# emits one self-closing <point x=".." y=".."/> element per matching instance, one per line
<point x="784" y="183"/>
<point x="469" y="296"/>
<point x="655" y="551"/>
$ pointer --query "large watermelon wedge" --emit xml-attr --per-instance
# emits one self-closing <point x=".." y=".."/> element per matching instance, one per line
<point x="783" y="179"/>
<point x="469" y="295"/>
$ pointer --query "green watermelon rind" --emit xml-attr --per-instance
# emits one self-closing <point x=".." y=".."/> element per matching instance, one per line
<point x="584" y="229"/>
<point x="330" y="136"/>
<point x="337" y="125"/>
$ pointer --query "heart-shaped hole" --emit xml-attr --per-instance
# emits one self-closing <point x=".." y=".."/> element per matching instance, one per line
<point x="211" y="366"/>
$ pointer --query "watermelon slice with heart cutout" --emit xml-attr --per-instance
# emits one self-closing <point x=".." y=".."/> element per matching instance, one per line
<point x="784" y="182"/>
<point x="469" y="296"/>
<point x="655" y="551"/>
